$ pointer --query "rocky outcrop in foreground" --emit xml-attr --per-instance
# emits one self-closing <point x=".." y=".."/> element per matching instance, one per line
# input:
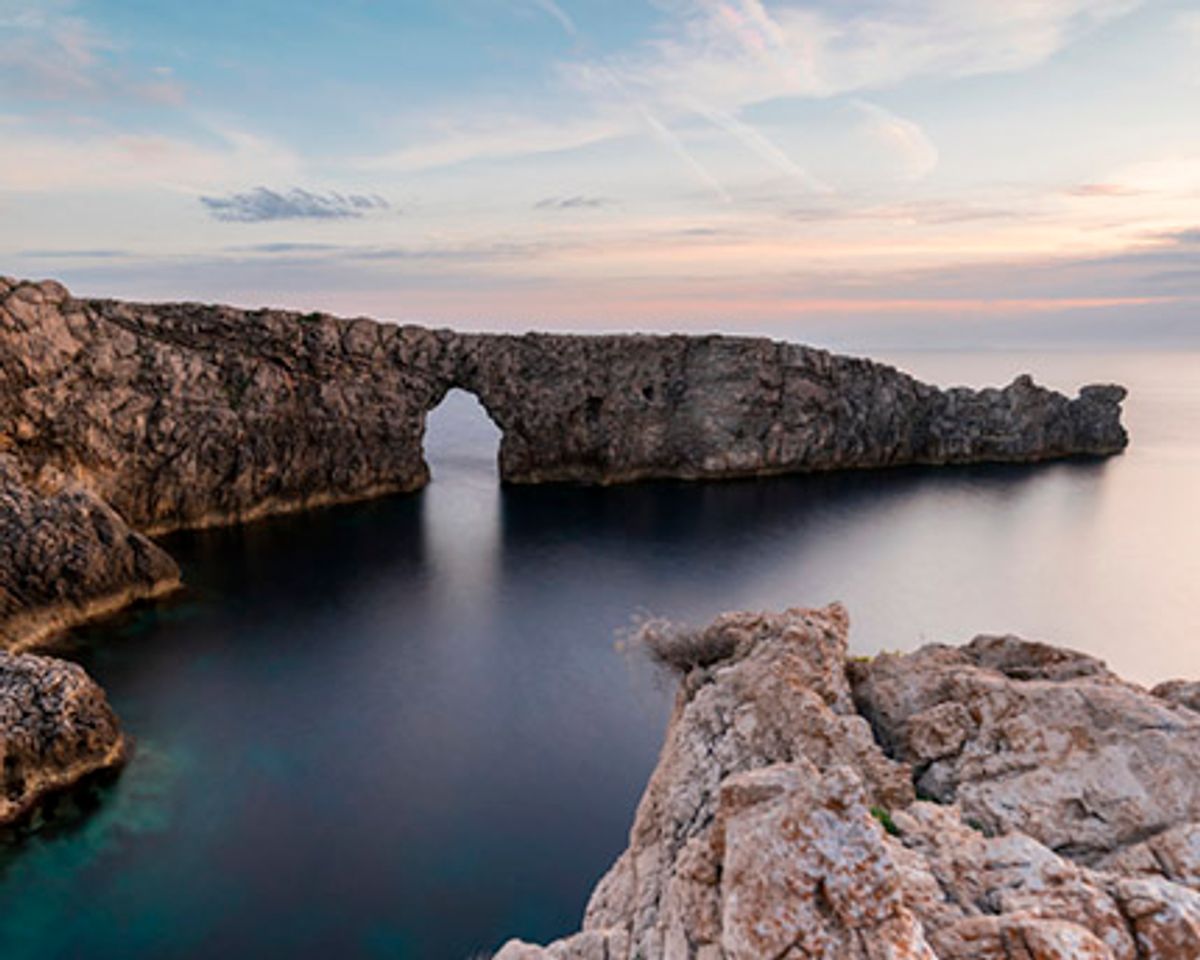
<point x="125" y="419"/>
<point x="56" y="727"/>
<point x="1001" y="801"/>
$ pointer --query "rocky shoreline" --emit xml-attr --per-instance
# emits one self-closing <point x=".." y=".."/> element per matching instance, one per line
<point x="121" y="420"/>
<point x="56" y="728"/>
<point x="1004" y="800"/>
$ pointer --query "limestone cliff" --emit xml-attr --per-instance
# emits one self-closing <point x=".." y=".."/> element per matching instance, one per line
<point x="1060" y="817"/>
<point x="160" y="416"/>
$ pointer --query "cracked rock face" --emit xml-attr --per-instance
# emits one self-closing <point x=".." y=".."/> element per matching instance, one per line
<point x="55" y="728"/>
<point x="65" y="555"/>
<point x="1024" y="737"/>
<point x="776" y="825"/>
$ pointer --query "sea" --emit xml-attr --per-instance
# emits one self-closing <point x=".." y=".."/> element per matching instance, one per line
<point x="415" y="727"/>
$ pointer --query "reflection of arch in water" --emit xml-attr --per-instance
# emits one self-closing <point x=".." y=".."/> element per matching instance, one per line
<point x="916" y="553"/>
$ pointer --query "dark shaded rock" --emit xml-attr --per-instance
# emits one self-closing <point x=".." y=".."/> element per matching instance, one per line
<point x="617" y="408"/>
<point x="66" y="556"/>
<point x="56" y="727"/>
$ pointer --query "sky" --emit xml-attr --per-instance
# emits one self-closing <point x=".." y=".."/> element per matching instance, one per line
<point x="854" y="172"/>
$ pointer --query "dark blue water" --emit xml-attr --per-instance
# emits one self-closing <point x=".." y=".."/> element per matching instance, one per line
<point x="402" y="729"/>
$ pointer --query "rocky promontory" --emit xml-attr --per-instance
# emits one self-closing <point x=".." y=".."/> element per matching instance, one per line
<point x="120" y="420"/>
<point x="1005" y="800"/>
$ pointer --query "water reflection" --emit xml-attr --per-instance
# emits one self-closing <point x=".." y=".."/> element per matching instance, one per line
<point x="400" y="729"/>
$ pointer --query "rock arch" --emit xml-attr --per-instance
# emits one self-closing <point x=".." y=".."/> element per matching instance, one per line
<point x="184" y="415"/>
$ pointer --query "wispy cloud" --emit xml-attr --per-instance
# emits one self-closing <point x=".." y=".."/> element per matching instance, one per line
<point x="763" y="147"/>
<point x="33" y="160"/>
<point x="49" y="52"/>
<point x="73" y="254"/>
<point x="732" y="53"/>
<point x="263" y="204"/>
<point x="577" y="202"/>
<point x="1189" y="237"/>
<point x="558" y="15"/>
<point x="901" y="139"/>
<point x="1102" y="190"/>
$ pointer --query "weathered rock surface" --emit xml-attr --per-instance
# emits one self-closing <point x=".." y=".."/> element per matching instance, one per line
<point x="1024" y="737"/>
<point x="775" y="826"/>
<point x="55" y="728"/>
<point x="65" y="556"/>
<point x="180" y="415"/>
<point x="617" y="408"/>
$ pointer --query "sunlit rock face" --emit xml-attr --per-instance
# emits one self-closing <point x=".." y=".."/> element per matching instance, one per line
<point x="782" y="820"/>
<point x="56" y="727"/>
<point x="184" y="415"/>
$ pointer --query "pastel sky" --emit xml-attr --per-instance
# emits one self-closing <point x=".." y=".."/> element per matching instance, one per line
<point x="922" y="172"/>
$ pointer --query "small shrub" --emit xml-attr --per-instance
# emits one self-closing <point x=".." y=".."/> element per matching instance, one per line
<point x="885" y="820"/>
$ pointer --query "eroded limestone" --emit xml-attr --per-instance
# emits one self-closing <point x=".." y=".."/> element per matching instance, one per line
<point x="774" y="826"/>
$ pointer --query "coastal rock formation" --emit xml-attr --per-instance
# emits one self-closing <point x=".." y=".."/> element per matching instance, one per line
<point x="1069" y="754"/>
<point x="65" y="556"/>
<point x="55" y="728"/>
<point x="184" y="415"/>
<point x="780" y="823"/>
<point x="608" y="409"/>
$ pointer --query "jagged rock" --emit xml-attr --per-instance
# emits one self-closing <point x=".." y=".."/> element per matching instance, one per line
<point x="1047" y="742"/>
<point x="772" y="828"/>
<point x="56" y="727"/>
<point x="66" y="556"/>
<point x="183" y="415"/>
<point x="1186" y="693"/>
<point x="1173" y="854"/>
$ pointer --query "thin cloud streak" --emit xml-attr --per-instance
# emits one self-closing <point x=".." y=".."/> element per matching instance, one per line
<point x="262" y="204"/>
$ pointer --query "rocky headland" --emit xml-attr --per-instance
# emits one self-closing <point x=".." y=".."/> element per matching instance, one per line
<point x="121" y="420"/>
<point x="1004" y="800"/>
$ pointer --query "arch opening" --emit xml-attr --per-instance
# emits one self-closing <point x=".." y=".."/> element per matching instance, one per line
<point x="461" y="441"/>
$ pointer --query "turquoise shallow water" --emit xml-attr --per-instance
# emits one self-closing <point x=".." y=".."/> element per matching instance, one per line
<point x="402" y="729"/>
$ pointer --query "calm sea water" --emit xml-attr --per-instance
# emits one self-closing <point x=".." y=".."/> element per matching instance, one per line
<point x="402" y="729"/>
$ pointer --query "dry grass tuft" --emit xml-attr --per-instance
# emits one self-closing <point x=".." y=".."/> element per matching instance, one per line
<point x="682" y="648"/>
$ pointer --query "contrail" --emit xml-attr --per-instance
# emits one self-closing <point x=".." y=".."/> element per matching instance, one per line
<point x="664" y="133"/>
<point x="559" y="15"/>
<point x="672" y="142"/>
<point x="759" y="144"/>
